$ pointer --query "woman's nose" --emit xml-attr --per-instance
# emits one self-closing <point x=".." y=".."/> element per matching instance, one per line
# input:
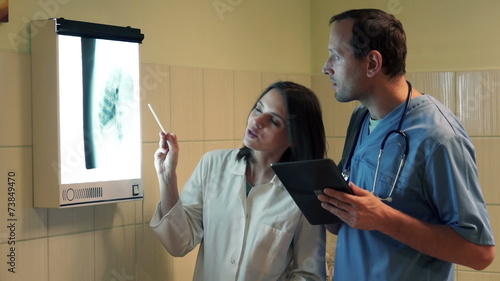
<point x="260" y="121"/>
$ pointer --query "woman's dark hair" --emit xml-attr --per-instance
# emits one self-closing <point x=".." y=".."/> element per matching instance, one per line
<point x="377" y="30"/>
<point x="306" y="132"/>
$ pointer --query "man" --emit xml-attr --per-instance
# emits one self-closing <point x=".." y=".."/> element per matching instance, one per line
<point x="418" y="209"/>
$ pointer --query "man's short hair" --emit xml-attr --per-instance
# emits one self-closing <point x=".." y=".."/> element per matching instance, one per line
<point x="375" y="29"/>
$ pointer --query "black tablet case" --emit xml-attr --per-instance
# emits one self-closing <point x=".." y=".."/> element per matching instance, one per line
<point x="304" y="180"/>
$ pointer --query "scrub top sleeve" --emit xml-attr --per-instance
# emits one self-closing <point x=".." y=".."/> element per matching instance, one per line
<point x="454" y="189"/>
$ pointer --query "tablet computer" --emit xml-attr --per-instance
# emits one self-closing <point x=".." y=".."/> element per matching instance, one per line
<point x="305" y="180"/>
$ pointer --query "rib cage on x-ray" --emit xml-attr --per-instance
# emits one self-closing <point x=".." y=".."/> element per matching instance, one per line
<point x="119" y="87"/>
<point x="107" y="91"/>
<point x="100" y="109"/>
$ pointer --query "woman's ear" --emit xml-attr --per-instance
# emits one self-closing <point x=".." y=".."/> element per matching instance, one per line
<point x="374" y="65"/>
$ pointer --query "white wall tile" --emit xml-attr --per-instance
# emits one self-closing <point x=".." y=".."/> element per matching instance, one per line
<point x="16" y="195"/>
<point x="71" y="257"/>
<point x="440" y="85"/>
<point x="29" y="261"/>
<point x="336" y="115"/>
<point x="190" y="154"/>
<point x="218" y="104"/>
<point x="150" y="183"/>
<point x="335" y="148"/>
<point x="477" y="276"/>
<point x="271" y="78"/>
<point x="115" y="254"/>
<point x="304" y="80"/>
<point x="155" y="90"/>
<point x="487" y="155"/>
<point x="214" y="145"/>
<point x="15" y="81"/>
<point x="153" y="261"/>
<point x="478" y="102"/>
<point x="186" y="93"/>
<point x="71" y="220"/>
<point x="115" y="215"/>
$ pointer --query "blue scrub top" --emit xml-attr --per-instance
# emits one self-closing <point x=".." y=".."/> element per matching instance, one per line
<point x="438" y="184"/>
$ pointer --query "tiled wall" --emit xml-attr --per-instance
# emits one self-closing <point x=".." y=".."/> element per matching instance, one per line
<point x="207" y="109"/>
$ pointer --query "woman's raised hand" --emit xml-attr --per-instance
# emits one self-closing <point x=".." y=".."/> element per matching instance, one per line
<point x="167" y="154"/>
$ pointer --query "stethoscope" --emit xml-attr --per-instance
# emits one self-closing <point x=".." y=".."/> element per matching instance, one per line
<point x="398" y="131"/>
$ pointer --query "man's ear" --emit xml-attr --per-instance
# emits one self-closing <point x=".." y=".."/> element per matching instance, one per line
<point x="374" y="59"/>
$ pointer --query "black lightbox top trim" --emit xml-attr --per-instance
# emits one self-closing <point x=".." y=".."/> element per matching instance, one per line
<point x="100" y="31"/>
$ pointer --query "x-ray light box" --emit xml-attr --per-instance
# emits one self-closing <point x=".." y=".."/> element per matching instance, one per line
<point x="86" y="113"/>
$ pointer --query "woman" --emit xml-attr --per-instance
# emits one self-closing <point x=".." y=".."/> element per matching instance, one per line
<point x="247" y="224"/>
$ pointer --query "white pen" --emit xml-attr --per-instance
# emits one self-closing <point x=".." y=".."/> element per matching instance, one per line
<point x="156" y="117"/>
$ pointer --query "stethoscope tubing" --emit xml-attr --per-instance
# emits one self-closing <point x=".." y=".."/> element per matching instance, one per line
<point x="382" y="146"/>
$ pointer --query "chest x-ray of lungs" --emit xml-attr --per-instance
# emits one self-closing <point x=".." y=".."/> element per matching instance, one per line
<point x="110" y="107"/>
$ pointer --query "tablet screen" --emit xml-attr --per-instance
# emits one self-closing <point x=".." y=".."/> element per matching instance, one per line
<point x="305" y="180"/>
